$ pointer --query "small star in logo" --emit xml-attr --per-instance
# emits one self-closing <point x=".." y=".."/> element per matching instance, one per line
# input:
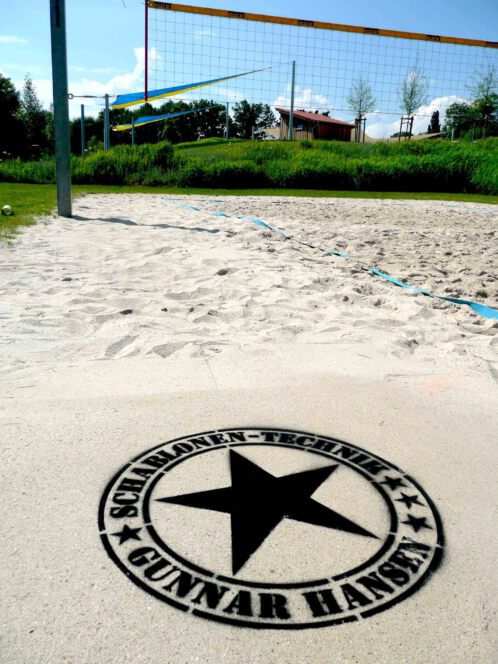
<point x="408" y="500"/>
<point x="127" y="534"/>
<point x="393" y="482"/>
<point x="417" y="523"/>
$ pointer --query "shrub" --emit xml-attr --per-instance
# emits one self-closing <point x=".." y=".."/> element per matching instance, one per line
<point x="407" y="166"/>
<point x="37" y="172"/>
<point x="123" y="164"/>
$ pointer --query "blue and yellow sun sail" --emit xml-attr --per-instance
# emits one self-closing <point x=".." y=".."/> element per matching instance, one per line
<point x="147" y="119"/>
<point x="123" y="101"/>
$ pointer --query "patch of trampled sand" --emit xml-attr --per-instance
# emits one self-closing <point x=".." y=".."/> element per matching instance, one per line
<point x="133" y="275"/>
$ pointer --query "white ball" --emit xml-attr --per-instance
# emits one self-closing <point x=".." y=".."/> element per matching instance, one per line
<point x="7" y="210"/>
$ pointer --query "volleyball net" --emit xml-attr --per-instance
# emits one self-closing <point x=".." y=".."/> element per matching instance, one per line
<point x="333" y="63"/>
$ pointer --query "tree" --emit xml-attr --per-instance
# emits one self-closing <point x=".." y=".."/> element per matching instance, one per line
<point x="247" y="116"/>
<point x="206" y="123"/>
<point x="413" y="92"/>
<point x="182" y="128"/>
<point x="485" y="94"/>
<point x="487" y="85"/>
<point x="434" y="125"/>
<point x="459" y="119"/>
<point x="212" y="121"/>
<point x="50" y="129"/>
<point x="360" y="98"/>
<point x="478" y="118"/>
<point x="12" y="133"/>
<point x="34" y="119"/>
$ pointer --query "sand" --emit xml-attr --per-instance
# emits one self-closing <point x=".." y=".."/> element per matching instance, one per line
<point x="135" y="275"/>
<point x="141" y="320"/>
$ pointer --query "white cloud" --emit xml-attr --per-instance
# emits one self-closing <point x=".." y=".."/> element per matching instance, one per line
<point x="31" y="69"/>
<point x="302" y="97"/>
<point x="93" y="70"/>
<point x="382" y="125"/>
<point x="133" y="81"/>
<point x="118" y="84"/>
<point x="12" y="39"/>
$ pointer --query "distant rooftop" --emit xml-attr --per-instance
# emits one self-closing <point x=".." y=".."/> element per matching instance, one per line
<point x="313" y="117"/>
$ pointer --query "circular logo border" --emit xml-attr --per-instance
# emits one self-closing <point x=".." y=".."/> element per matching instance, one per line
<point x="412" y="588"/>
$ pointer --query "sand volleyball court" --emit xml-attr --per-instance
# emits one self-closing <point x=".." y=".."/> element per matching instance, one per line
<point x="221" y="444"/>
<point x="140" y="275"/>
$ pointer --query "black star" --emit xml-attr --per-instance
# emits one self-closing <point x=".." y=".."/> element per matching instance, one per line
<point x="393" y="482"/>
<point x="408" y="500"/>
<point x="417" y="523"/>
<point x="258" y="501"/>
<point x="127" y="533"/>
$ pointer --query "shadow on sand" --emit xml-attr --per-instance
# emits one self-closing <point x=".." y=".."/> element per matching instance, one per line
<point x="128" y="222"/>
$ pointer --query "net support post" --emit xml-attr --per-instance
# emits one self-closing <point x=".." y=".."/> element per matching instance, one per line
<point x="227" y="121"/>
<point x="61" y="107"/>
<point x="107" y="137"/>
<point x="291" y="114"/>
<point x="133" y="131"/>
<point x="146" y="54"/>
<point x="83" y="141"/>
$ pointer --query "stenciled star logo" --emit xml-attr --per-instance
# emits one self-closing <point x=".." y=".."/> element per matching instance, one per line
<point x="257" y="501"/>
<point x="127" y="533"/>
<point x="408" y="500"/>
<point x="393" y="482"/>
<point x="417" y="523"/>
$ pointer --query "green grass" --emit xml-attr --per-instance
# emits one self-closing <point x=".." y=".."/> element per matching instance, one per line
<point x="28" y="201"/>
<point x="33" y="200"/>
<point x="412" y="166"/>
<point x="440" y="166"/>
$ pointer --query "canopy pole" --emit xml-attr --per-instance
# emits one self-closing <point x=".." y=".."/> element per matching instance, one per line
<point x="291" y="114"/>
<point x="107" y="137"/>
<point x="83" y="142"/>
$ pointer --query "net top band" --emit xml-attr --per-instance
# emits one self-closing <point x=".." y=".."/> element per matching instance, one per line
<point x="321" y="25"/>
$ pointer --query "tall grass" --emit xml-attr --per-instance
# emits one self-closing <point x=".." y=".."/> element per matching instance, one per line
<point x="123" y="164"/>
<point x="432" y="166"/>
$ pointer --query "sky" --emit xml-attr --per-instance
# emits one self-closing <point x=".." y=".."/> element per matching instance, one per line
<point x="106" y="52"/>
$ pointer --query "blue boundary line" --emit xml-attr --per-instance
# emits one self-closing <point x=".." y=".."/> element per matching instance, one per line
<point x="481" y="309"/>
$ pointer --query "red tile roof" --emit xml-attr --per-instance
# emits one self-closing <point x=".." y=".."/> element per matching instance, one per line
<point x="313" y="117"/>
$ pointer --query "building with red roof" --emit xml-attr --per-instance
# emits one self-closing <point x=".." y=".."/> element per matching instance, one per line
<point x="314" y="125"/>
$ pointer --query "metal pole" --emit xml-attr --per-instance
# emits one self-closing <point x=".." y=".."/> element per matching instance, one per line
<point x="133" y="131"/>
<point x="61" y="107"/>
<point x="227" y="118"/>
<point x="291" y="114"/>
<point x="83" y="142"/>
<point x="146" y="73"/>
<point x="252" y="133"/>
<point x="107" y="138"/>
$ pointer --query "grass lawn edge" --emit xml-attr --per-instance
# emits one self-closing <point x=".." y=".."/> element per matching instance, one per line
<point x="31" y="201"/>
